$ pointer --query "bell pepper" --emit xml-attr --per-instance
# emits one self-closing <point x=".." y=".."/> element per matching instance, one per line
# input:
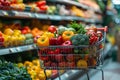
<point x="59" y="40"/>
<point x="67" y="49"/>
<point x="43" y="41"/>
<point x="67" y="35"/>
<point x="93" y="38"/>
<point x="52" y="41"/>
<point x="48" y="34"/>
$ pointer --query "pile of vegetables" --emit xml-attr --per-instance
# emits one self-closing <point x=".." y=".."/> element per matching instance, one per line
<point x="10" y="71"/>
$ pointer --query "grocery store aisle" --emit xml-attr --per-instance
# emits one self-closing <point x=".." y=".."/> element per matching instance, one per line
<point x="111" y="72"/>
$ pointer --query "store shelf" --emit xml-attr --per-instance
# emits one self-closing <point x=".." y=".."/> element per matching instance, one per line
<point x="27" y="15"/>
<point x="74" y="3"/>
<point x="17" y="49"/>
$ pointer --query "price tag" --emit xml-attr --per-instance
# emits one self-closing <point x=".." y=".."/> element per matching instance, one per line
<point x="12" y="50"/>
<point x="5" y="13"/>
<point x="66" y="75"/>
<point x="23" y="14"/>
<point x="18" y="49"/>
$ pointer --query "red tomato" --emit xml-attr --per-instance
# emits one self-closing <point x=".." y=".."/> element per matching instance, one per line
<point x="52" y="29"/>
<point x="44" y="8"/>
<point x="41" y="3"/>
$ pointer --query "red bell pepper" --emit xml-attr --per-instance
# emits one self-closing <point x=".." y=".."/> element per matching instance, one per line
<point x="52" y="41"/>
<point x="67" y="49"/>
<point x="59" y="40"/>
<point x="41" y="3"/>
<point x="93" y="38"/>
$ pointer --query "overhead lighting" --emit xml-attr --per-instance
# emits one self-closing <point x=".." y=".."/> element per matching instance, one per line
<point x="116" y="2"/>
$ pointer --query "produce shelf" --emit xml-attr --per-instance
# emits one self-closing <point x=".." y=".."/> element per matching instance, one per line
<point x="17" y="49"/>
<point x="74" y="3"/>
<point x="30" y="15"/>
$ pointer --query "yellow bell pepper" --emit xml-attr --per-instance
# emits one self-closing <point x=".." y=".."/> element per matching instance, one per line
<point x="67" y="35"/>
<point x="48" y="34"/>
<point x="43" y="41"/>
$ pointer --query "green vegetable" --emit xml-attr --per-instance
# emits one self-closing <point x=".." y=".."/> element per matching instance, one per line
<point x="80" y="39"/>
<point x="61" y="29"/>
<point x="10" y="71"/>
<point x="71" y="29"/>
<point x="79" y="28"/>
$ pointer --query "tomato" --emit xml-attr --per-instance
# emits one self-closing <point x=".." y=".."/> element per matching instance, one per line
<point x="41" y="3"/>
<point x="44" y="8"/>
<point x="52" y="29"/>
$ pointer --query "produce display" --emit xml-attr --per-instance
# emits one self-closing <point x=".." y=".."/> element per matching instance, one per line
<point x="15" y="37"/>
<point x="35" y="71"/>
<point x="63" y="49"/>
<point x="24" y="5"/>
<point x="10" y="71"/>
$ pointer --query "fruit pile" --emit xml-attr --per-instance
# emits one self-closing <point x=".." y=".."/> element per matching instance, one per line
<point x="35" y="70"/>
<point x="15" y="37"/>
<point x="64" y="54"/>
<point x="23" y="5"/>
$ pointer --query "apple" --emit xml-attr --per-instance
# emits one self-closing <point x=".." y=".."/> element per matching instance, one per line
<point x="70" y="57"/>
<point x="62" y="64"/>
<point x="24" y="31"/>
<point x="47" y="64"/>
<point x="71" y="64"/>
<point x="59" y="57"/>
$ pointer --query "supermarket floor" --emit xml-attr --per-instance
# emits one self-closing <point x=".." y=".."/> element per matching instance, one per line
<point x="111" y="72"/>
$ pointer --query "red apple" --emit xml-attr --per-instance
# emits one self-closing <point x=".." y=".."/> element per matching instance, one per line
<point x="70" y="57"/>
<point x="62" y="64"/>
<point x="59" y="57"/>
<point x="47" y="64"/>
<point x="71" y="64"/>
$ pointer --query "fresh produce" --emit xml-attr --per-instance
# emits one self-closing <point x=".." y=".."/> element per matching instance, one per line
<point x="80" y="39"/>
<point x="79" y="28"/>
<point x="82" y="64"/>
<point x="61" y="29"/>
<point x="43" y="41"/>
<point x="35" y="71"/>
<point x="67" y="35"/>
<point x="10" y="71"/>
<point x="52" y="29"/>
<point x="93" y="38"/>
<point x="48" y="34"/>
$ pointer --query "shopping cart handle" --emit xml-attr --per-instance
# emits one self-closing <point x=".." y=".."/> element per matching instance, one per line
<point x="105" y="29"/>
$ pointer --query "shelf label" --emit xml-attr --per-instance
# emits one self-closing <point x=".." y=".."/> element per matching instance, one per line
<point x="12" y="50"/>
<point x="18" y="49"/>
<point x="23" y="14"/>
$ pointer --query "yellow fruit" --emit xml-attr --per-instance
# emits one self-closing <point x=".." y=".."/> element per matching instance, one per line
<point x="48" y="73"/>
<point x="82" y="64"/>
<point x="17" y="32"/>
<point x="8" y="31"/>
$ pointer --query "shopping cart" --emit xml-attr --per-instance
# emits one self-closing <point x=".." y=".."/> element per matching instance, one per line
<point x="83" y="57"/>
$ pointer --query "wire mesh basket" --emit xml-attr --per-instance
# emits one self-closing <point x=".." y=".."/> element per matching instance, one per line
<point x="72" y="57"/>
